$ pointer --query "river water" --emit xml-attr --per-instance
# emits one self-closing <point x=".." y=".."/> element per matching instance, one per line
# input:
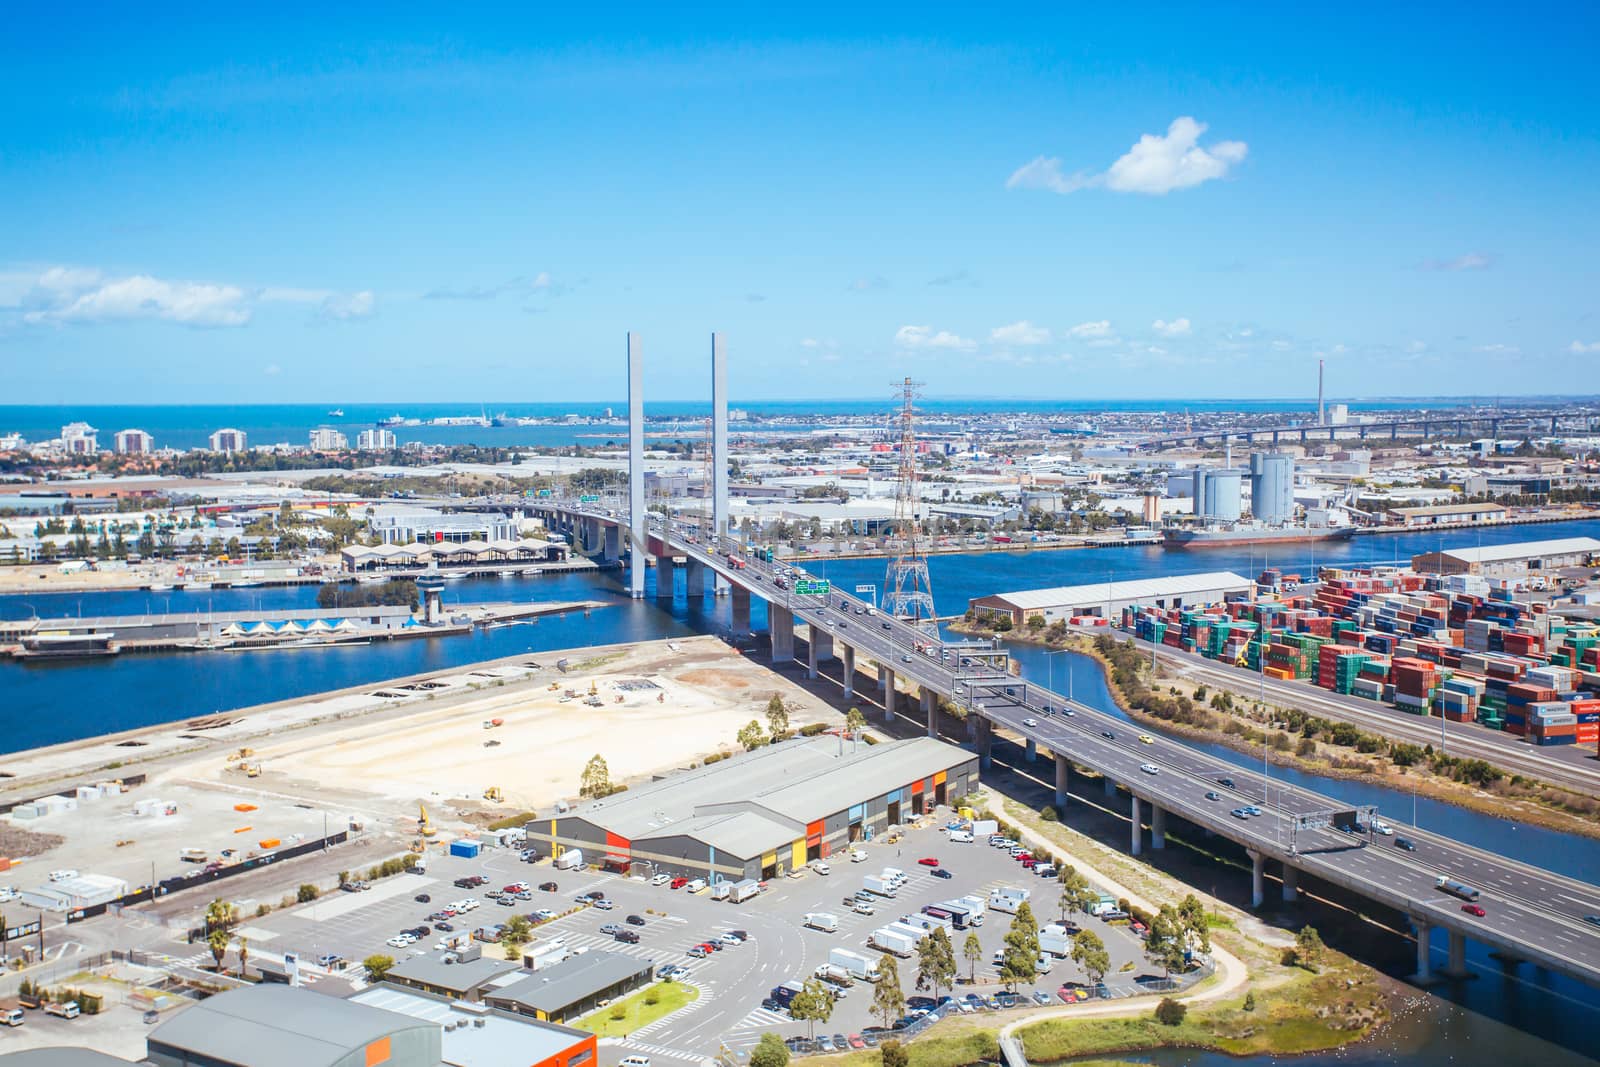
<point x="1468" y="1022"/>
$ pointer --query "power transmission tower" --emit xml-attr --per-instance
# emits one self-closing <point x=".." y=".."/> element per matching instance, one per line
<point x="908" y="592"/>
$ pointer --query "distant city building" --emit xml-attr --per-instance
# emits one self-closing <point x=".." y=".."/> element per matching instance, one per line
<point x="1338" y="414"/>
<point x="228" y="441"/>
<point x="379" y="440"/>
<point x="1272" y="486"/>
<point x="133" y="442"/>
<point x="326" y="439"/>
<point x="11" y="442"/>
<point x="80" y="439"/>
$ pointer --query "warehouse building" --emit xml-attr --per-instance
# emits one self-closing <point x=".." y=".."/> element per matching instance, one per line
<point x="572" y="988"/>
<point x="1509" y="561"/>
<point x="1446" y="514"/>
<point x="449" y="975"/>
<point x="765" y="812"/>
<point x="1107" y="599"/>
<point x="476" y="1035"/>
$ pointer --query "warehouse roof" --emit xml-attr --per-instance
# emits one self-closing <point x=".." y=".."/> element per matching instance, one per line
<point x="62" y="1056"/>
<point x="272" y="1025"/>
<point x="481" y="1037"/>
<point x="458" y="977"/>
<point x="1447" y="509"/>
<point x="1136" y="589"/>
<point x="553" y="988"/>
<point x="1559" y="546"/>
<point x="784" y="786"/>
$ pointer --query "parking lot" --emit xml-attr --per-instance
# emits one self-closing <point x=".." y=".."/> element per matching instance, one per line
<point x="734" y="981"/>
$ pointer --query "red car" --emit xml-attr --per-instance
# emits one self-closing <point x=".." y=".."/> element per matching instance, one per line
<point x="1028" y="863"/>
<point x="857" y="1041"/>
<point x="679" y="883"/>
<point x="928" y="861"/>
<point x="1474" y="909"/>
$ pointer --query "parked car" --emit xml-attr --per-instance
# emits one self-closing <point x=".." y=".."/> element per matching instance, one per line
<point x="635" y="920"/>
<point x="928" y="861"/>
<point x="627" y="937"/>
<point x="423" y="898"/>
<point x="679" y="883"/>
<point x="661" y="879"/>
<point x="605" y="904"/>
<point x="940" y="872"/>
<point x="549" y="887"/>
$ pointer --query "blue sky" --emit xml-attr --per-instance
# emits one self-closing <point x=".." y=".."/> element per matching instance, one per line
<point x="1186" y="201"/>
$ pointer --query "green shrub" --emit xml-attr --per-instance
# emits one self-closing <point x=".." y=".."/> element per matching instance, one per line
<point x="1171" y="1012"/>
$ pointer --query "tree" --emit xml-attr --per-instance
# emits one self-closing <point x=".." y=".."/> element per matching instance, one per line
<point x="812" y="1005"/>
<point x="1195" y="924"/>
<point x="1171" y="1012"/>
<point x="770" y="1051"/>
<point x="217" y="941"/>
<point x="244" y="955"/>
<point x="894" y="1054"/>
<point x="220" y="915"/>
<point x="377" y="967"/>
<point x="1164" y="944"/>
<point x="855" y="722"/>
<point x="518" y="931"/>
<point x="596" y="779"/>
<point x="972" y="952"/>
<point x="751" y="736"/>
<point x="1090" y="954"/>
<point x="936" y="962"/>
<point x="1308" y="948"/>
<point x="777" y="717"/>
<point x="1076" y="895"/>
<point x="1021" y="950"/>
<point x="888" y="1002"/>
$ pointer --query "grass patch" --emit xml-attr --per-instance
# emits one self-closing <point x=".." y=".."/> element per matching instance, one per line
<point x="1306" y="1013"/>
<point x="956" y="1050"/>
<point x="514" y="822"/>
<point x="635" y="1012"/>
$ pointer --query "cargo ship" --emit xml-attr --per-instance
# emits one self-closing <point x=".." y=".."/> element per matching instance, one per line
<point x="1241" y="534"/>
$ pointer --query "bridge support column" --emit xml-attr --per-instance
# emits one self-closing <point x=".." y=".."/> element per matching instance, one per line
<point x="780" y="624"/>
<point x="1063" y="779"/>
<point x="1457" y="967"/>
<point x="1030" y="751"/>
<point x="664" y="577"/>
<point x="848" y="654"/>
<point x="613" y="547"/>
<point x="819" y="647"/>
<point x="1136" y="842"/>
<point x="1158" y="827"/>
<point x="985" y="743"/>
<point x="637" y="522"/>
<point x="694" y="579"/>
<point x="930" y="711"/>
<point x="1110" y="785"/>
<point x="886" y="683"/>
<point x="1291" y="884"/>
<point x="1424" y="962"/>
<point x="739" y="610"/>
<point x="1258" y="870"/>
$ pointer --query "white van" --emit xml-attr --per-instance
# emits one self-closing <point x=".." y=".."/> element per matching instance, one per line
<point x="820" y="867"/>
<point x="895" y="875"/>
<point x="858" y="855"/>
<point x="961" y="837"/>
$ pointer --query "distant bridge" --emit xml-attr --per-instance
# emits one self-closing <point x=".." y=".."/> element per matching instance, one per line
<point x="1486" y="423"/>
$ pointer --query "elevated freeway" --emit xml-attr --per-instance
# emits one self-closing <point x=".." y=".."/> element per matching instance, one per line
<point x="1530" y="914"/>
<point x="1455" y="424"/>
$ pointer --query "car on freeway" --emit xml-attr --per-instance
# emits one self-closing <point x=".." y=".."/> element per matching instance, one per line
<point x="1382" y="828"/>
<point x="635" y="920"/>
<point x="1474" y="909"/>
<point x="1592" y="920"/>
<point x="1068" y="711"/>
<point x="1146" y="739"/>
<point x="1108" y="735"/>
<point x="1239" y="813"/>
<point x="1226" y="783"/>
<point x="1031" y="722"/>
<point x="905" y="657"/>
<point x="940" y="872"/>
<point x="1213" y="795"/>
<point x="549" y="887"/>
<point x="1149" y="768"/>
<point x="1405" y="843"/>
<point x="928" y="861"/>
<point x="1251" y="809"/>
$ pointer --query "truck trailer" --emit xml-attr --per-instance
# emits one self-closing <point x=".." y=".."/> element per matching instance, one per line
<point x="892" y="942"/>
<point x="858" y="964"/>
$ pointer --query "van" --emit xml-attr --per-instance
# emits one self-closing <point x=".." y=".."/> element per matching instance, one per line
<point x="820" y="867"/>
<point x="961" y="837"/>
<point x="895" y="875"/>
<point x="62" y="876"/>
<point x="858" y="855"/>
<point x="12" y="1017"/>
<point x="695" y="886"/>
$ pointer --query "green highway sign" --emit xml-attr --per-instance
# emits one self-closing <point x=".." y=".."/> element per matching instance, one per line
<point x="589" y="498"/>
<point x="813" y="586"/>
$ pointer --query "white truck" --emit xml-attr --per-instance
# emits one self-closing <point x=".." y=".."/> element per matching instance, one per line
<point x="570" y="860"/>
<point x="825" y="921"/>
<point x="858" y="964"/>
<point x="722" y="891"/>
<point x="743" y="891"/>
<point x="896" y="944"/>
<point x="975" y="907"/>
<point x="878" y="886"/>
<point x="915" y="933"/>
<point x="193" y="855"/>
<point x="1006" y="898"/>
<point x="837" y="977"/>
<point x="1055" y="941"/>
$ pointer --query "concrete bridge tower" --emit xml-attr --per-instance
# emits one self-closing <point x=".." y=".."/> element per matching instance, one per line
<point x="636" y="512"/>
<point x="719" y="448"/>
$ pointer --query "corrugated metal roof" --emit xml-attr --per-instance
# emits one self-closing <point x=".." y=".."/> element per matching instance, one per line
<point x="1558" y="546"/>
<point x="553" y="988"/>
<point x="270" y="1025"/>
<point x="1136" y="589"/>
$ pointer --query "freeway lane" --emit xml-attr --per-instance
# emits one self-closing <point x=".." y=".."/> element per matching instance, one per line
<point x="1569" y="765"/>
<point x="1531" y="913"/>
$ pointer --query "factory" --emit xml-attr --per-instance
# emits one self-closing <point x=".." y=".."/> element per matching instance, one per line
<point x="1445" y="514"/>
<point x="1509" y="561"/>
<point x="1107" y="599"/>
<point x="762" y="813"/>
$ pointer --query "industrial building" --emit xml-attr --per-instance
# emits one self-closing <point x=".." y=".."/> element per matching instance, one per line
<point x="1446" y="514"/>
<point x="572" y="988"/>
<point x="1272" y="487"/>
<point x="765" y="812"/>
<point x="403" y="525"/>
<point x="1218" y="494"/>
<point x="448" y="975"/>
<point x="1509" y="561"/>
<point x="1107" y="599"/>
<point x="475" y="1035"/>
<point x="445" y="553"/>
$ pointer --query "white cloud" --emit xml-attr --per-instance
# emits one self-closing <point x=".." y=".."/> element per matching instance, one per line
<point x="1175" y="328"/>
<point x="1578" y="348"/>
<point x="927" y="337"/>
<point x="1416" y="347"/>
<point x="1469" y="261"/>
<point x="1499" y="349"/>
<point x="347" y="306"/>
<point x="76" y="295"/>
<point x="1155" y="166"/>
<point x="1020" y="333"/>
<point x="1092" y="329"/>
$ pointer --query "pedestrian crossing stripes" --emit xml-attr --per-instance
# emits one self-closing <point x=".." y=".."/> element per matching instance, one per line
<point x="662" y="1050"/>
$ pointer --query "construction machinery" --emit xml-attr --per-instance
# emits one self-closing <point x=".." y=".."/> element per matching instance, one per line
<point x="252" y="770"/>
<point x="493" y="793"/>
<point x="424" y="826"/>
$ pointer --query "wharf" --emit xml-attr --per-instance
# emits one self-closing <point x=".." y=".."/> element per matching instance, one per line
<point x="485" y="570"/>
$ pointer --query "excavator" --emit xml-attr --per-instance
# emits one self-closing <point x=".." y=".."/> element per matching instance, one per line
<point x="424" y="827"/>
<point x="493" y="793"/>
